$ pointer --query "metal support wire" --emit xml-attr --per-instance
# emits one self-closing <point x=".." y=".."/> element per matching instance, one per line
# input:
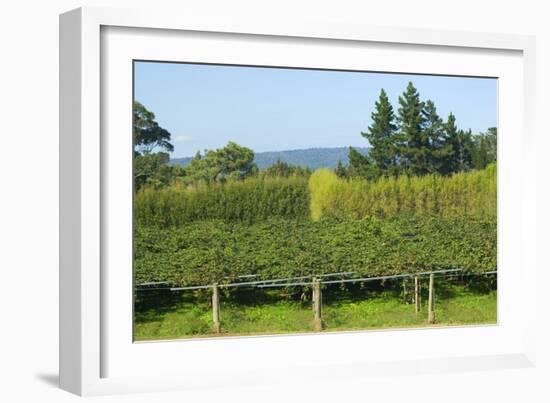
<point x="287" y="282"/>
<point x="151" y="283"/>
<point x="261" y="282"/>
<point x="485" y="273"/>
<point x="364" y="279"/>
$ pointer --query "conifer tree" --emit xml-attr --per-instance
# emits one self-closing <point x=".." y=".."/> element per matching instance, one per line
<point x="434" y="131"/>
<point x="361" y="165"/>
<point x="341" y="170"/>
<point x="484" y="148"/>
<point x="412" y="145"/>
<point x="465" y="146"/>
<point x="451" y="140"/>
<point x="381" y="134"/>
<point x="460" y="144"/>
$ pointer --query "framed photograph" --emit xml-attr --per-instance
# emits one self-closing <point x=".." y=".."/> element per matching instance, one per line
<point x="245" y="201"/>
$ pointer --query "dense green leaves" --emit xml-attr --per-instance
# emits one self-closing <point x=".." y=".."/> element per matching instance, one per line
<point x="484" y="150"/>
<point x="412" y="146"/>
<point x="471" y="193"/>
<point x="153" y="170"/>
<point x="418" y="142"/>
<point x="228" y="163"/>
<point x="205" y="233"/>
<point x="148" y="135"/>
<point x="381" y="135"/>
<point x="216" y="250"/>
<point x="247" y="200"/>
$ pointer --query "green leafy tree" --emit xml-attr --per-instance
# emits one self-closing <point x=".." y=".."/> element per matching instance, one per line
<point x="284" y="169"/>
<point x="381" y="134"/>
<point x="229" y="163"/>
<point x="153" y="170"/>
<point x="148" y="135"/>
<point x="413" y="148"/>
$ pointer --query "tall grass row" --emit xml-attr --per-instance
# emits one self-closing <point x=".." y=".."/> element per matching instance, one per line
<point x="249" y="200"/>
<point x="469" y="193"/>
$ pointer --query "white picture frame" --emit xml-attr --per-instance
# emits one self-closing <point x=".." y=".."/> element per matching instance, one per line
<point x="93" y="348"/>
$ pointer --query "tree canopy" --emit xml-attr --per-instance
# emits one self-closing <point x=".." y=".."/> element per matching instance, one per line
<point x="148" y="135"/>
<point x="417" y="141"/>
<point x="230" y="162"/>
<point x="413" y="141"/>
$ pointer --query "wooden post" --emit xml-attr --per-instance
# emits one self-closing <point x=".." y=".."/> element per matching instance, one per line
<point x="405" y="291"/>
<point x="317" y="306"/>
<point x="416" y="294"/>
<point x="216" y="309"/>
<point x="431" y="313"/>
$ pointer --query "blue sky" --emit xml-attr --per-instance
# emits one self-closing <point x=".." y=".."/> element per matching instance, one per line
<point x="270" y="109"/>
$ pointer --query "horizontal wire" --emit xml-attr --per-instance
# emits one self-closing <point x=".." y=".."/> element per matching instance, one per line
<point x="284" y="282"/>
<point x="240" y="284"/>
<point x="364" y="279"/>
<point x="151" y="283"/>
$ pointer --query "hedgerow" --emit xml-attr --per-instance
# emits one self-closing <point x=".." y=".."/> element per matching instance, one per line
<point x="246" y="200"/>
<point x="471" y="193"/>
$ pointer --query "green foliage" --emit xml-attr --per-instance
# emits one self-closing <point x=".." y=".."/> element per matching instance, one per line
<point x="420" y="143"/>
<point x="472" y="193"/>
<point x="412" y="145"/>
<point x="216" y="250"/>
<point x="438" y="150"/>
<point x="322" y="185"/>
<point x="148" y="135"/>
<point x="460" y="143"/>
<point x="285" y="170"/>
<point x="152" y="170"/>
<point x="381" y="135"/>
<point x="484" y="150"/>
<point x="249" y="200"/>
<point x="361" y="165"/>
<point x="311" y="158"/>
<point x="228" y="163"/>
<point x="341" y="170"/>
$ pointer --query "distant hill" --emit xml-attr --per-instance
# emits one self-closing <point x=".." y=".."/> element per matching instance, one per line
<point x="312" y="158"/>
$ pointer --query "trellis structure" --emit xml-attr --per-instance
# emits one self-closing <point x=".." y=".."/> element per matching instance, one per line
<point x="315" y="282"/>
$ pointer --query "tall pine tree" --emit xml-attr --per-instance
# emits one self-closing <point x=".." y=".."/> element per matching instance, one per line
<point x="465" y="148"/>
<point x="460" y="144"/>
<point x="413" y="145"/>
<point x="361" y="165"/>
<point x="381" y="135"/>
<point x="434" y="131"/>
<point x="451" y="140"/>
